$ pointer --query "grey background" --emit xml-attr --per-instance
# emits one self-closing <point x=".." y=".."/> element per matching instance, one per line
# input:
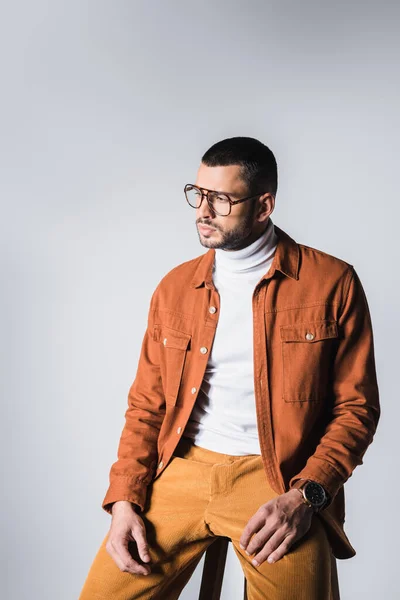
<point x="106" y="109"/>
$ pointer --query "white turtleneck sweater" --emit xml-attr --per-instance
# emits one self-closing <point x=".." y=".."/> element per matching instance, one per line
<point x="224" y="417"/>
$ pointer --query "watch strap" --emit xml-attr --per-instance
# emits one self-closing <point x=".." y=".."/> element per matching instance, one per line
<point x="300" y="490"/>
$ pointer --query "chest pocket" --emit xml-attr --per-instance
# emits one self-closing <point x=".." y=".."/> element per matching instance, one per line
<point x="307" y="353"/>
<point x="174" y="346"/>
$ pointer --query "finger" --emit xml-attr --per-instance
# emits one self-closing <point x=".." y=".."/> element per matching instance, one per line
<point x="254" y="525"/>
<point x="139" y="534"/>
<point x="123" y="559"/>
<point x="280" y="542"/>
<point x="258" y="541"/>
<point x="274" y="550"/>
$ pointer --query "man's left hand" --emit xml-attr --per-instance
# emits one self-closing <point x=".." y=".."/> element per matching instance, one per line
<point x="276" y="525"/>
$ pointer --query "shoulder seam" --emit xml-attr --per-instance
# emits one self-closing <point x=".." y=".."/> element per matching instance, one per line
<point x="349" y="271"/>
<point x="186" y="263"/>
<point x="327" y="254"/>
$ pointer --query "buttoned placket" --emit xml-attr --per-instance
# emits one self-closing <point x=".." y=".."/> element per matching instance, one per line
<point x="210" y="315"/>
<point x="261" y="387"/>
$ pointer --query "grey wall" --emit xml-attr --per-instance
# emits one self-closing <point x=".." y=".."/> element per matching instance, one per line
<point x="106" y="108"/>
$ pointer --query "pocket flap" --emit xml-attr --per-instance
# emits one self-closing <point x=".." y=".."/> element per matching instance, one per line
<point x="310" y="331"/>
<point x="171" y="338"/>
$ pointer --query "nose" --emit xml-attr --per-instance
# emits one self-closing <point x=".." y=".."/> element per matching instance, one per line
<point x="204" y="210"/>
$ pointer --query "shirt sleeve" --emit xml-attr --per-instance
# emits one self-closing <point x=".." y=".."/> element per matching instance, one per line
<point x="356" y="408"/>
<point x="137" y="451"/>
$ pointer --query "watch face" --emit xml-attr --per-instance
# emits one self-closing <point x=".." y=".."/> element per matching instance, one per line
<point x="315" y="493"/>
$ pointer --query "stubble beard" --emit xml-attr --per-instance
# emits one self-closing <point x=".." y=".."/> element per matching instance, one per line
<point x="230" y="240"/>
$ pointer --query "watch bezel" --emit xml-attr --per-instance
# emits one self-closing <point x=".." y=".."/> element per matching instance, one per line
<point x="306" y="486"/>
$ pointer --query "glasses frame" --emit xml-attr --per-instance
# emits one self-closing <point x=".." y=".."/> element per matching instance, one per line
<point x="202" y="192"/>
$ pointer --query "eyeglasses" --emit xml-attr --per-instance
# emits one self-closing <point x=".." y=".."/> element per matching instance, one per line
<point x="218" y="202"/>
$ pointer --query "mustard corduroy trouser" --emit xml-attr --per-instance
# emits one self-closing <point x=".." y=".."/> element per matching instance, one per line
<point x="200" y="495"/>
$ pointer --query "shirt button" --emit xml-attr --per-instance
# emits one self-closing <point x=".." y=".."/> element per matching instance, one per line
<point x="179" y="430"/>
<point x="309" y="336"/>
<point x="165" y="341"/>
<point x="161" y="464"/>
<point x="203" y="350"/>
<point x="212" y="310"/>
<point x="194" y="390"/>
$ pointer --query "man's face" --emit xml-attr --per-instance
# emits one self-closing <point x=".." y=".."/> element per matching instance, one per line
<point x="246" y="221"/>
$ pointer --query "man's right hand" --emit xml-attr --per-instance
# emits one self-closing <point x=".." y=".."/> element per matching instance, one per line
<point x="127" y="526"/>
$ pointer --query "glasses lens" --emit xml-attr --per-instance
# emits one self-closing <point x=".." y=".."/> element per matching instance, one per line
<point x="219" y="202"/>
<point x="193" y="196"/>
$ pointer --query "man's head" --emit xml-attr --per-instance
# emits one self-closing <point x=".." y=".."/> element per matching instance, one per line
<point x="240" y="167"/>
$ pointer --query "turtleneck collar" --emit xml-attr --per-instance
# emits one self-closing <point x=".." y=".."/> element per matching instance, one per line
<point x="251" y="257"/>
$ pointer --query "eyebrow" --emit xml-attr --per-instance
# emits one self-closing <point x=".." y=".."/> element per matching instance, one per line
<point x="220" y="191"/>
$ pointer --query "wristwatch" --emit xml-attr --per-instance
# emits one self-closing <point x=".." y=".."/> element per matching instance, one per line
<point x="313" y="494"/>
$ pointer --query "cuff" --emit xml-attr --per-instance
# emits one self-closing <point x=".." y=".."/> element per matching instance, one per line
<point x="134" y="492"/>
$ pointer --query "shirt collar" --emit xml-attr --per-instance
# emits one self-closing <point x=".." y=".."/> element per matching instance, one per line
<point x="286" y="260"/>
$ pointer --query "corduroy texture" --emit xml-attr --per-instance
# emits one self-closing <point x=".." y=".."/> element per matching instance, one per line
<point x="200" y="495"/>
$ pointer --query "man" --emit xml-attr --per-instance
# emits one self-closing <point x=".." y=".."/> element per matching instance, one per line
<point x="255" y="398"/>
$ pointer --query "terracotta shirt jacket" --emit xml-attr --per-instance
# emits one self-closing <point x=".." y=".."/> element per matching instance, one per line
<point x="316" y="391"/>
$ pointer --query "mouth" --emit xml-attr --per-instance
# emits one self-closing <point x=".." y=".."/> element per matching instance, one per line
<point x="205" y="229"/>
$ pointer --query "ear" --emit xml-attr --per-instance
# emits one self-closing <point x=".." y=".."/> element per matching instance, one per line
<point x="266" y="205"/>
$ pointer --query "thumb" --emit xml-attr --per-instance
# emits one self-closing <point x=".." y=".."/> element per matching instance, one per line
<point x="142" y="546"/>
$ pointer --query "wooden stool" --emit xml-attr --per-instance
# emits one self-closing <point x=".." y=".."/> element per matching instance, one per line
<point x="213" y="570"/>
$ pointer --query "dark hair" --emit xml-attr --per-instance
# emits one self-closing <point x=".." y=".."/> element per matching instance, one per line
<point x="257" y="161"/>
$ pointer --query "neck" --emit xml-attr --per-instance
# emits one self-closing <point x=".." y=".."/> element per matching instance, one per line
<point x="252" y="256"/>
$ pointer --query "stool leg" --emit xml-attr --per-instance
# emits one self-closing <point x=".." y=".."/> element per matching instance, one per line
<point x="213" y="570"/>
